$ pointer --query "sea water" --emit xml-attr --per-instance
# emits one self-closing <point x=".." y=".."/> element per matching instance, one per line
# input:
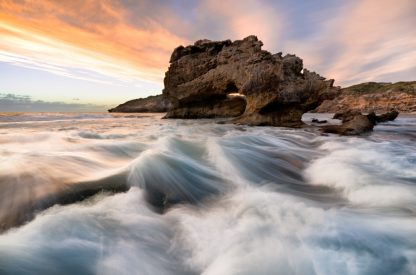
<point x="137" y="194"/>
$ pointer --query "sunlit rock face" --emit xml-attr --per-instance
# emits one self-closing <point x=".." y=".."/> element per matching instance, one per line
<point x="277" y="90"/>
<point x="379" y="97"/>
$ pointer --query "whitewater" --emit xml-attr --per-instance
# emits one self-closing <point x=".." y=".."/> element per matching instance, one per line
<point x="99" y="193"/>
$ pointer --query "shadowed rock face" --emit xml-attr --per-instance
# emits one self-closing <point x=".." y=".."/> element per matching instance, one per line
<point x="277" y="92"/>
<point x="227" y="106"/>
<point x="151" y="104"/>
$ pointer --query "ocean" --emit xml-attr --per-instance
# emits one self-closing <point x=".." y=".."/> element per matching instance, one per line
<point x="100" y="193"/>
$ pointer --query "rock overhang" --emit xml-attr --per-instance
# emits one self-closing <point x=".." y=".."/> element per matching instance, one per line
<point x="277" y="89"/>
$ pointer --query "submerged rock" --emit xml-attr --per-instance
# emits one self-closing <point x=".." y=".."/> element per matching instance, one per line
<point x="277" y="92"/>
<point x="355" y="123"/>
<point x="151" y="104"/>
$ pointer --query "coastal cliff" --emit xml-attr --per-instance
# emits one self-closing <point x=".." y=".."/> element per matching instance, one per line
<point x="373" y="96"/>
<point x="151" y="104"/>
<point x="277" y="89"/>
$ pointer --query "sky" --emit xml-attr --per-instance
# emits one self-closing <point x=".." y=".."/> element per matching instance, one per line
<point x="96" y="54"/>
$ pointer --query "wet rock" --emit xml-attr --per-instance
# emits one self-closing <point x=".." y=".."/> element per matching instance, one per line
<point x="277" y="89"/>
<point x="389" y="116"/>
<point x="355" y="123"/>
<point x="315" y="120"/>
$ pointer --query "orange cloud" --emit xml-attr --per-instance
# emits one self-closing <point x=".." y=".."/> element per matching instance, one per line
<point x="243" y="18"/>
<point x="57" y="36"/>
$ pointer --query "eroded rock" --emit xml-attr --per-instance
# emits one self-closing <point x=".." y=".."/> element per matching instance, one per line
<point x="277" y="89"/>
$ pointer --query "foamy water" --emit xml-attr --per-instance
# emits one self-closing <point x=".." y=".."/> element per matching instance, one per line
<point x="135" y="194"/>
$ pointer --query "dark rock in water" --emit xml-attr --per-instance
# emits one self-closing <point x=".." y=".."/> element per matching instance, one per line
<point x="151" y="104"/>
<point x="355" y="123"/>
<point x="315" y="120"/>
<point x="277" y="92"/>
<point x="390" y="116"/>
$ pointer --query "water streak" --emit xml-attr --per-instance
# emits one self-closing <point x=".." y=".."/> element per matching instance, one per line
<point x="134" y="194"/>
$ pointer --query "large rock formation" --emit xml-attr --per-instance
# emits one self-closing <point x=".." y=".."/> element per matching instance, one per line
<point x="151" y="104"/>
<point x="277" y="92"/>
<point x="373" y="96"/>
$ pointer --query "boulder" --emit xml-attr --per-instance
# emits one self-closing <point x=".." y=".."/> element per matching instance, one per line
<point x="151" y="104"/>
<point x="389" y="116"/>
<point x="277" y="90"/>
<point x="355" y="123"/>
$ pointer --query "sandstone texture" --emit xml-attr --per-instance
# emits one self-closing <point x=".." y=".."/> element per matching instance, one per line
<point x="274" y="89"/>
<point x="373" y="96"/>
<point x="151" y="104"/>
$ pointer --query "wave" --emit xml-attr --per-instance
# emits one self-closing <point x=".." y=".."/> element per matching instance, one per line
<point x="149" y="196"/>
<point x="250" y="231"/>
<point x="367" y="173"/>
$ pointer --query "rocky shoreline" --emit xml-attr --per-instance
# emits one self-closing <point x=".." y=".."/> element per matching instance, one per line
<point x="373" y="96"/>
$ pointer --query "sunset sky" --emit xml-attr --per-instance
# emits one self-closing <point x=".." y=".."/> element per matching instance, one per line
<point x="104" y="52"/>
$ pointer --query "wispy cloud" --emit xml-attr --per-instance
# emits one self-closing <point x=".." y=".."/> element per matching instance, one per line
<point x="24" y="103"/>
<point x="351" y="41"/>
<point x="57" y="36"/>
<point x="363" y="41"/>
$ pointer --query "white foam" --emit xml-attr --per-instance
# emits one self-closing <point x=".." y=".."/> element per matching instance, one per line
<point x="226" y="212"/>
<point x="366" y="173"/>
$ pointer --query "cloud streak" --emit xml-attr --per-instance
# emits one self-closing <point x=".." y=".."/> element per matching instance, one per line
<point x="363" y="41"/>
<point x="53" y="36"/>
